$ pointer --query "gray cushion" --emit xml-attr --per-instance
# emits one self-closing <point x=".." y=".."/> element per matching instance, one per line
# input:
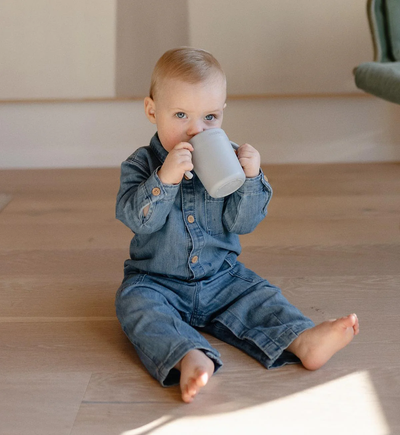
<point x="380" y="79"/>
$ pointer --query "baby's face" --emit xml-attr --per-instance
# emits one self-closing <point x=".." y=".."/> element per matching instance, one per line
<point x="181" y="110"/>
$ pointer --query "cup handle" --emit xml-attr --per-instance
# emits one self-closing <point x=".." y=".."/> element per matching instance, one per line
<point x="189" y="175"/>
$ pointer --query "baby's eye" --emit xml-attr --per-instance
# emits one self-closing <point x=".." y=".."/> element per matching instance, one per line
<point x="209" y="117"/>
<point x="180" y="115"/>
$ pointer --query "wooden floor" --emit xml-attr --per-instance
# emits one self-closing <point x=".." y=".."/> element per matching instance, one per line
<point x="331" y="241"/>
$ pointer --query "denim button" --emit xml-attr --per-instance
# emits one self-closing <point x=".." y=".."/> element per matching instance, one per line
<point x="190" y="219"/>
<point x="195" y="259"/>
<point x="156" y="191"/>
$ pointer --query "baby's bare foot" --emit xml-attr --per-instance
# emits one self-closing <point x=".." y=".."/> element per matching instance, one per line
<point x="196" y="369"/>
<point x="317" y="345"/>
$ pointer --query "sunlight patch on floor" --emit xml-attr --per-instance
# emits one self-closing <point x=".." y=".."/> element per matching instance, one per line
<point x="347" y="405"/>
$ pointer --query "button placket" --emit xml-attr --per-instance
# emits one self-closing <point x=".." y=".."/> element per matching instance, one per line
<point x="192" y="227"/>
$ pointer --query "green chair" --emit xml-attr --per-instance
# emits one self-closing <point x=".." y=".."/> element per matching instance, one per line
<point x="382" y="77"/>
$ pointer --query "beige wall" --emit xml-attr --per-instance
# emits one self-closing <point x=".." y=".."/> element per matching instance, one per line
<point x="57" y="49"/>
<point x="145" y="30"/>
<point x="284" y="46"/>
<point x="107" y="48"/>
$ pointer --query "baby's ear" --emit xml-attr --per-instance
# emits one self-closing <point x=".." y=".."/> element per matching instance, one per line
<point x="150" y="109"/>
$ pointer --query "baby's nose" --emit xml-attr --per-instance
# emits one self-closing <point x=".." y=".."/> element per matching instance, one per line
<point x="195" y="128"/>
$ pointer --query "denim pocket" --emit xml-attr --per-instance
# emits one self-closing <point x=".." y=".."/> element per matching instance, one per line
<point x="239" y="271"/>
<point x="130" y="281"/>
<point x="214" y="210"/>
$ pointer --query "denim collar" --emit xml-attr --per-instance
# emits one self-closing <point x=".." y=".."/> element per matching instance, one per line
<point x="158" y="149"/>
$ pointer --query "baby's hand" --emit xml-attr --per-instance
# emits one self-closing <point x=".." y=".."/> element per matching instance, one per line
<point x="249" y="159"/>
<point x="178" y="161"/>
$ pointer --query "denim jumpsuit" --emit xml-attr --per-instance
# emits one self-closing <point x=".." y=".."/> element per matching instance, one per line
<point x="183" y="276"/>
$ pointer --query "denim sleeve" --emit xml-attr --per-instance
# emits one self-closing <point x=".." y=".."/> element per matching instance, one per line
<point x="140" y="188"/>
<point x="247" y="207"/>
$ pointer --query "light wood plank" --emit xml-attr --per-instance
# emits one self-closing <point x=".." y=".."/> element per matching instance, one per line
<point x="65" y="346"/>
<point x="47" y="296"/>
<point x="40" y="403"/>
<point x="319" y="260"/>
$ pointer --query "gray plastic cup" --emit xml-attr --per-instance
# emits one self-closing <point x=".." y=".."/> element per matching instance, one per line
<point x="215" y="162"/>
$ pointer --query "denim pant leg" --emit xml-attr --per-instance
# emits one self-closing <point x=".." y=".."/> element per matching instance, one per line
<point x="259" y="320"/>
<point x="151" y="315"/>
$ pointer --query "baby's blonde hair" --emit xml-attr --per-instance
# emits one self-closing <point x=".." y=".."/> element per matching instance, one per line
<point x="191" y="65"/>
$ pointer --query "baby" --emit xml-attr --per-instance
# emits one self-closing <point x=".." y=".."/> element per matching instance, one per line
<point x="183" y="276"/>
